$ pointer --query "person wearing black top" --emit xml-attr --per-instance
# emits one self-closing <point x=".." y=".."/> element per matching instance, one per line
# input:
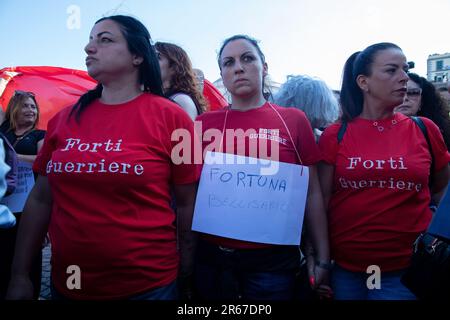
<point x="19" y="127"/>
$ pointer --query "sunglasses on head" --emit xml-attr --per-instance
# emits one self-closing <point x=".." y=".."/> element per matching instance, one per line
<point x="414" y="92"/>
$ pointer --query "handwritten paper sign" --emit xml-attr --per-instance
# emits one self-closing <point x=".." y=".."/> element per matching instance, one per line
<point x="16" y="201"/>
<point x="236" y="200"/>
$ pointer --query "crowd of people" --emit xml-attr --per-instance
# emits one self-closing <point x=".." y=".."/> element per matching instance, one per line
<point x="118" y="203"/>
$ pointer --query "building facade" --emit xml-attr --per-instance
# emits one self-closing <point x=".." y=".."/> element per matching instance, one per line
<point x="438" y="68"/>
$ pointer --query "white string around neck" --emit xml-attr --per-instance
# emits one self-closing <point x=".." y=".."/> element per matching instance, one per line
<point x="282" y="120"/>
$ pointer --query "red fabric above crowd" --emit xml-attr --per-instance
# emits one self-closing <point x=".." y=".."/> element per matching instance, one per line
<point x="56" y="88"/>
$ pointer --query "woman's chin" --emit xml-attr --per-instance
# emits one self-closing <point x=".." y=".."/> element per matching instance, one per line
<point x="404" y="110"/>
<point x="27" y="122"/>
<point x="93" y="73"/>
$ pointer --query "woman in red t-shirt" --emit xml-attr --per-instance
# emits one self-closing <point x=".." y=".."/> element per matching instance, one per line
<point x="227" y="268"/>
<point x="105" y="176"/>
<point x="375" y="177"/>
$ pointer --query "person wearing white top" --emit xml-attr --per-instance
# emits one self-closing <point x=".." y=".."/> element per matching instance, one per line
<point x="179" y="79"/>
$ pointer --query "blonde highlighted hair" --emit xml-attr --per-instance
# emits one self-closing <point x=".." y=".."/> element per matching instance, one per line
<point x="14" y="106"/>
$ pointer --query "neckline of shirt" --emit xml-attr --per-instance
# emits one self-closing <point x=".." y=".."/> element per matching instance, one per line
<point x="143" y="94"/>
<point x="382" y="124"/>
<point x="23" y="134"/>
<point x="262" y="107"/>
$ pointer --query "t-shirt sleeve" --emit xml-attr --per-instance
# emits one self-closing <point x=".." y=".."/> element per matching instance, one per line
<point x="440" y="152"/>
<point x="328" y="144"/>
<point x="185" y="151"/>
<point x="44" y="156"/>
<point x="40" y="134"/>
<point x="308" y="149"/>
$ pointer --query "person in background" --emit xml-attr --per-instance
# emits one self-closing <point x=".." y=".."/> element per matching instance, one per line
<point x="7" y="219"/>
<point x="231" y="269"/>
<point x="445" y="94"/>
<point x="375" y="177"/>
<point x="179" y="79"/>
<point x="200" y="76"/>
<point x="20" y="125"/>
<point x="312" y="96"/>
<point x="2" y="114"/>
<point x="20" y="130"/>
<point x="423" y="100"/>
<point x="105" y="172"/>
<point x="11" y="160"/>
<point x="315" y="98"/>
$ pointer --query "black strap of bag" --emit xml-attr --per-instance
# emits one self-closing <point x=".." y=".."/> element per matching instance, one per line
<point x="422" y="127"/>
<point x="341" y="131"/>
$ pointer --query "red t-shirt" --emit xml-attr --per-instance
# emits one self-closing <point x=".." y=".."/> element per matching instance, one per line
<point x="380" y="198"/>
<point x="110" y="179"/>
<point x="265" y="126"/>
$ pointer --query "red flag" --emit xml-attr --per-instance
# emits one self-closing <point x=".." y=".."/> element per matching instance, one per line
<point x="54" y="87"/>
<point x="213" y="96"/>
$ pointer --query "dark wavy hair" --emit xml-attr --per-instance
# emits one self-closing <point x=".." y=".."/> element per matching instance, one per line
<point x="266" y="91"/>
<point x="139" y="43"/>
<point x="433" y="106"/>
<point x="358" y="63"/>
<point x="183" y="79"/>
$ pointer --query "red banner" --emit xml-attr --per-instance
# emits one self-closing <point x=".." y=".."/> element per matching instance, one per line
<point x="213" y="96"/>
<point x="56" y="88"/>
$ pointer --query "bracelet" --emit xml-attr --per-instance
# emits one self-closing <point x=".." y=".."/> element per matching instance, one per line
<point x="324" y="265"/>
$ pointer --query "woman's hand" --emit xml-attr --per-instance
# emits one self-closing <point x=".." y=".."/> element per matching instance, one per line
<point x="319" y="278"/>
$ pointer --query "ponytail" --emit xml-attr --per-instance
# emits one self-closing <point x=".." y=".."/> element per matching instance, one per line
<point x="351" y="96"/>
<point x="359" y="63"/>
